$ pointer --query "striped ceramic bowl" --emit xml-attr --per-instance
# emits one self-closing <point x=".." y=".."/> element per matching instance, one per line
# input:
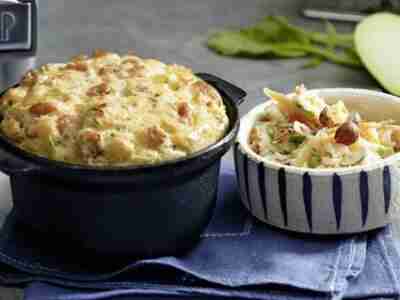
<point x="328" y="201"/>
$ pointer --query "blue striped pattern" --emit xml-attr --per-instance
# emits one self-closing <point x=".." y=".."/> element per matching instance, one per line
<point x="246" y="180"/>
<point x="364" y="196"/>
<point x="244" y="166"/>
<point x="307" y="197"/>
<point x="282" y="194"/>
<point x="236" y="158"/>
<point x="340" y="188"/>
<point x="387" y="188"/>
<point x="337" y="197"/>
<point x="262" y="187"/>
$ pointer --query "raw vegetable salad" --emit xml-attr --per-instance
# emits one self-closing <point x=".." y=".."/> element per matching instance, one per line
<point x="301" y="130"/>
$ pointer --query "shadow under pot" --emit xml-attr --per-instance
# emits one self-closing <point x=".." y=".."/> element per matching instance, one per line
<point x="135" y="212"/>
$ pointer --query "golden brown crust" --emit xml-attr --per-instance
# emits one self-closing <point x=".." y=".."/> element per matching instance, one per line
<point x="78" y="66"/>
<point x="99" y="90"/>
<point x="111" y="109"/>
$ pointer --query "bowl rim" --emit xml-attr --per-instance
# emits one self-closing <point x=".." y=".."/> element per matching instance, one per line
<point x="248" y="120"/>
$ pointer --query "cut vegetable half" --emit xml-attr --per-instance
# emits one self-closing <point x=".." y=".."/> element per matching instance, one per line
<point x="377" y="40"/>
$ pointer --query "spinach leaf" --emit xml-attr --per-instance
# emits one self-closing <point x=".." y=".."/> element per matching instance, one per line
<point x="274" y="36"/>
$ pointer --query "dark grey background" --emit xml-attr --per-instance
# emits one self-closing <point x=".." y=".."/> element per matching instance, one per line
<point x="175" y="31"/>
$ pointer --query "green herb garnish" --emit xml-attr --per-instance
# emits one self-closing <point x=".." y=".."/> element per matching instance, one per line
<point x="52" y="147"/>
<point x="296" y="139"/>
<point x="315" y="160"/>
<point x="270" y="132"/>
<point x="385" y="151"/>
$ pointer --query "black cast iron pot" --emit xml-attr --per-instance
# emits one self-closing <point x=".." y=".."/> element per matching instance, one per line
<point x="141" y="211"/>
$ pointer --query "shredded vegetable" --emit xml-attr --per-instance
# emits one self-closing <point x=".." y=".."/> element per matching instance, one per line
<point x="302" y="130"/>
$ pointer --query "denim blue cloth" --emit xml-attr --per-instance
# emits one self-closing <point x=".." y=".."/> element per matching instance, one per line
<point x="237" y="257"/>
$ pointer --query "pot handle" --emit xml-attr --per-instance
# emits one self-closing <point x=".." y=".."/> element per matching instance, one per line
<point x="230" y="90"/>
<point x="12" y="166"/>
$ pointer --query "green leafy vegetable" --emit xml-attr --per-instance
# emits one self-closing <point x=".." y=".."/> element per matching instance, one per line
<point x="274" y="36"/>
<point x="315" y="160"/>
<point x="51" y="147"/>
<point x="313" y="63"/>
<point x="296" y="139"/>
<point x="270" y="132"/>
<point x="332" y="34"/>
<point x="385" y="151"/>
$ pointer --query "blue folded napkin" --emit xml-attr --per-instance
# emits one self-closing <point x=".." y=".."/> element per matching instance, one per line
<point x="237" y="257"/>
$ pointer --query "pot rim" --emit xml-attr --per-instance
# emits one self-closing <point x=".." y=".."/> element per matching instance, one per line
<point x="38" y="162"/>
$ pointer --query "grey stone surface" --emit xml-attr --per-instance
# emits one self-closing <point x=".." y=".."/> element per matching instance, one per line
<point x="175" y="31"/>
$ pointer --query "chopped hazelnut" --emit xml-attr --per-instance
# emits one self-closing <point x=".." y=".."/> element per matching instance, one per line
<point x="99" y="90"/>
<point x="136" y="70"/>
<point x="77" y="66"/>
<point x="107" y="70"/>
<point x="183" y="110"/>
<point x="40" y="109"/>
<point x="100" y="53"/>
<point x="155" y="137"/>
<point x="395" y="137"/>
<point x="131" y="60"/>
<point x="102" y="71"/>
<point x="91" y="136"/>
<point x="91" y="146"/>
<point x="265" y="118"/>
<point x="325" y="119"/>
<point x="347" y="134"/>
<point x="200" y="87"/>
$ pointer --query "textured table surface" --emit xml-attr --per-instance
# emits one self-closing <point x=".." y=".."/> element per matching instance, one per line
<point x="175" y="31"/>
